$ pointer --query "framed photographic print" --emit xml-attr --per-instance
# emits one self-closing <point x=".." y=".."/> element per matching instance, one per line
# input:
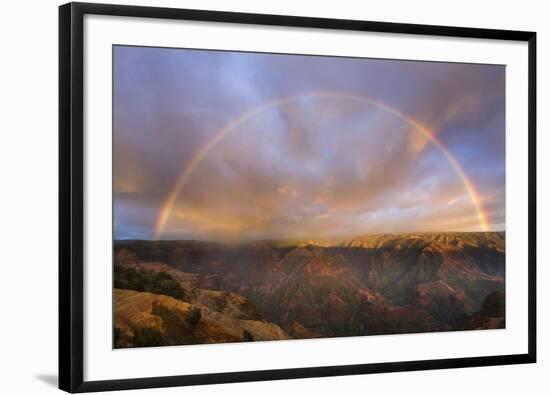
<point x="257" y="197"/>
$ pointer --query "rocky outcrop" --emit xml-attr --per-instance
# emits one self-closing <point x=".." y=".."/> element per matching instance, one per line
<point x="164" y="320"/>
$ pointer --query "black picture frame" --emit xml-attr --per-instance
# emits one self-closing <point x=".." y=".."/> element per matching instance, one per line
<point x="71" y="197"/>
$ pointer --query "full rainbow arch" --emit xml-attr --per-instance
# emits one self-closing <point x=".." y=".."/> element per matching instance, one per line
<point x="168" y="205"/>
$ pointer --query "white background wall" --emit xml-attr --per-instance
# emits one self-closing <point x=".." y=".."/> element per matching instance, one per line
<point x="28" y="209"/>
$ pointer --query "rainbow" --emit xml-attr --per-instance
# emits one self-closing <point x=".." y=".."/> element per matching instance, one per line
<point x="169" y="202"/>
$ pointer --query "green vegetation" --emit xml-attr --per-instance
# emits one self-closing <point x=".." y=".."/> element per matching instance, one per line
<point x="147" y="281"/>
<point x="494" y="304"/>
<point x="117" y="335"/>
<point x="194" y="316"/>
<point x="148" y="337"/>
<point x="247" y="336"/>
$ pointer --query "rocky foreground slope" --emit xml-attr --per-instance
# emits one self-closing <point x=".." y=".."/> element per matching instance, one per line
<point x="147" y="319"/>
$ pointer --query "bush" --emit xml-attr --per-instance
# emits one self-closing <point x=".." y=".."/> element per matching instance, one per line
<point x="147" y="281"/>
<point x="194" y="316"/>
<point x="148" y="337"/>
<point x="117" y="334"/>
<point x="247" y="336"/>
<point x="494" y="304"/>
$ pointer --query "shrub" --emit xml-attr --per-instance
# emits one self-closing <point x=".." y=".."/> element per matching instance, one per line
<point x="147" y="281"/>
<point x="148" y="337"/>
<point x="194" y="316"/>
<point x="247" y="336"/>
<point x="494" y="304"/>
<point x="117" y="334"/>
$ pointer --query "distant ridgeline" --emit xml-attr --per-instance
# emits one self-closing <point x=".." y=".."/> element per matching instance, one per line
<point x="192" y="292"/>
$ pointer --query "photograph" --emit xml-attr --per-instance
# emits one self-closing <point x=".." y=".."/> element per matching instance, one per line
<point x="271" y="196"/>
<point x="275" y="197"/>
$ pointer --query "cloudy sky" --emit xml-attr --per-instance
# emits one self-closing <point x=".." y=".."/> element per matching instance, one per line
<point x="319" y="161"/>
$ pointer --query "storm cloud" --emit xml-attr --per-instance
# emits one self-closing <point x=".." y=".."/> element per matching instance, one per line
<point x="321" y="164"/>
